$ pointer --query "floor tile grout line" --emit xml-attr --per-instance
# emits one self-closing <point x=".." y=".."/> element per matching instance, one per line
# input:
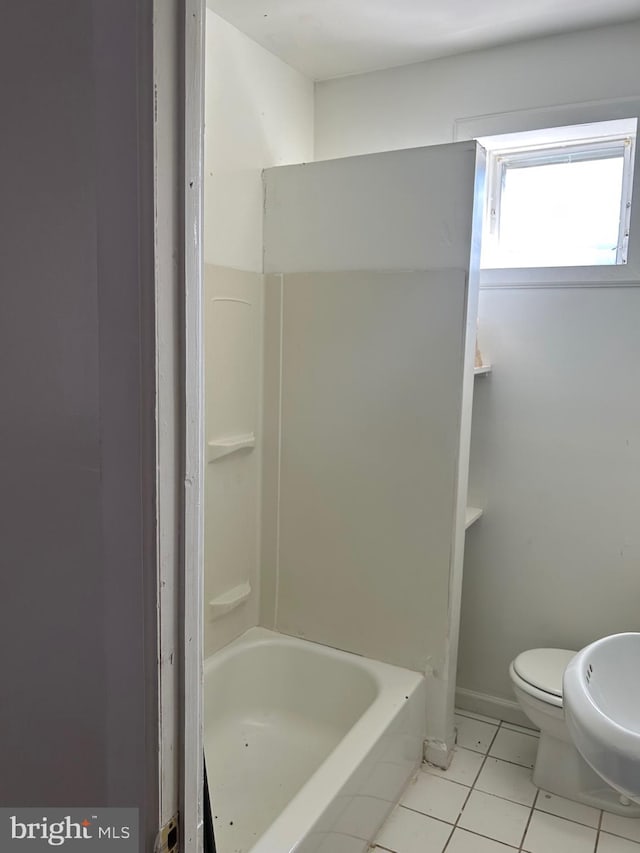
<point x="471" y="789"/>
<point x="595" y="849"/>
<point x="457" y="821"/>
<point x="499" y="727"/>
<point x="446" y="843"/>
<point x="519" y="848"/>
<point x="444" y="778"/>
<point x="563" y="817"/>
<point x="526" y="829"/>
<point x="506" y="760"/>
<point x="532" y="808"/>
<point x="491" y="721"/>
<point x="486" y="794"/>
<point x="479" y="835"/>
<point x="424" y="814"/>
<point x="519" y="803"/>
<point x="466" y="714"/>
<point x="523" y="730"/>
<point x="505" y="727"/>
<point x="486" y="755"/>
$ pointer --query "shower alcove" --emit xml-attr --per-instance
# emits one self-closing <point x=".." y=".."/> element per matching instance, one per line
<point x="369" y="302"/>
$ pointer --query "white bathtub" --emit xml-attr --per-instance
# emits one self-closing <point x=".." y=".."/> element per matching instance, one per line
<point x="307" y="748"/>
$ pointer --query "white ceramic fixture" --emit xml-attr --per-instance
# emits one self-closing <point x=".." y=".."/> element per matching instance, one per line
<point x="602" y="709"/>
<point x="307" y="748"/>
<point x="536" y="676"/>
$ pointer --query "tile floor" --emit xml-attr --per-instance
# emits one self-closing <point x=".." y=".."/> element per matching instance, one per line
<point x="486" y="803"/>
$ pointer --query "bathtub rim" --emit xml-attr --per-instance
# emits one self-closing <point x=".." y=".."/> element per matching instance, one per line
<point x="396" y="689"/>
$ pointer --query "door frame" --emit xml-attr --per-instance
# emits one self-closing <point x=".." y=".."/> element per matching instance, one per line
<point x="192" y="413"/>
<point x="178" y="47"/>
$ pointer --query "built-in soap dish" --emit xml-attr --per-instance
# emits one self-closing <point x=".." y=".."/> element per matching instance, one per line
<point x="218" y="448"/>
<point x="229" y="600"/>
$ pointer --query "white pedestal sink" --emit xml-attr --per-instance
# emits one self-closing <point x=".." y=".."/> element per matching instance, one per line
<point x="601" y="696"/>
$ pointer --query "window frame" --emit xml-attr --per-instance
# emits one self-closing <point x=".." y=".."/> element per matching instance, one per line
<point x="535" y="119"/>
<point x="562" y="150"/>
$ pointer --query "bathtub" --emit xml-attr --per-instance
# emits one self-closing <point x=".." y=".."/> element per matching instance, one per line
<point x="307" y="748"/>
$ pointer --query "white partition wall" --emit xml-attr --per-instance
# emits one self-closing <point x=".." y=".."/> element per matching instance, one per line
<point x="371" y="301"/>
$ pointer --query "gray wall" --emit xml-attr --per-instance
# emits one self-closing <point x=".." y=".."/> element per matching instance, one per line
<point x="555" y="458"/>
<point x="77" y="693"/>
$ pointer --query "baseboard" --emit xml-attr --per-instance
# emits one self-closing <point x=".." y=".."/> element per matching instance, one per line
<point x="491" y="706"/>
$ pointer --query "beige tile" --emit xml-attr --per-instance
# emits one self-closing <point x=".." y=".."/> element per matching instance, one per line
<point x="435" y="796"/>
<point x="494" y="817"/>
<point x="568" y="809"/>
<point x="474" y="734"/>
<point x="464" y="767"/>
<point x="466" y="842"/>
<point x="627" y="827"/>
<point x="473" y="716"/>
<point x="526" y="730"/>
<point x="516" y="747"/>
<point x="550" y="834"/>
<point x="614" y="844"/>
<point x="507" y="780"/>
<point x="409" y="832"/>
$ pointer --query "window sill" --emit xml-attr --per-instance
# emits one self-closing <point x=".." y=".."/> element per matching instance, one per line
<point x="623" y="275"/>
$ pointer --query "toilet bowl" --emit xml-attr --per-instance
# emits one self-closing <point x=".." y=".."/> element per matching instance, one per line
<point x="536" y="676"/>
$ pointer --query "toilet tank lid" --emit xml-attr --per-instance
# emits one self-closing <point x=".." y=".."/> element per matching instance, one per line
<point x="543" y="668"/>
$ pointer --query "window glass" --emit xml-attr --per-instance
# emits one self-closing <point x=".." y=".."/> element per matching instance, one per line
<point x="561" y="214"/>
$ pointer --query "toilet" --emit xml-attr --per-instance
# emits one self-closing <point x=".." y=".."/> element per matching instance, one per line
<point x="536" y="676"/>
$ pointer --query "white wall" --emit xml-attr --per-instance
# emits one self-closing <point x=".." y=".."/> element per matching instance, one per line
<point x="555" y="559"/>
<point x="419" y="104"/>
<point x="258" y="113"/>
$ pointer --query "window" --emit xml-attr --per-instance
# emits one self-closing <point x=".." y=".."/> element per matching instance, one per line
<point x="560" y="197"/>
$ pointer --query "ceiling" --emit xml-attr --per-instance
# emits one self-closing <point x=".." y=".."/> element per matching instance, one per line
<point x="332" y="38"/>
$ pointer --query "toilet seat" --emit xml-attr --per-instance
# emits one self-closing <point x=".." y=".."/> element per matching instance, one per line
<point x="539" y="673"/>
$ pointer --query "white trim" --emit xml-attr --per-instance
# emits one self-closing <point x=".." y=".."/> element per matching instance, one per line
<point x="441" y="693"/>
<point x="566" y="135"/>
<point x="504" y="153"/>
<point x="491" y="706"/>
<point x="516" y="121"/>
<point x="559" y="277"/>
<point x="193" y="543"/>
<point x="166" y="244"/>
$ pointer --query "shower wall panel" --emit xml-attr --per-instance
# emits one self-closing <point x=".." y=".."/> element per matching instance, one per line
<point x="371" y="303"/>
<point x="233" y="374"/>
<point x="371" y="373"/>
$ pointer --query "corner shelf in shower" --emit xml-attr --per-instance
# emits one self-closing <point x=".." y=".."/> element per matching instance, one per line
<point x="229" y="600"/>
<point x="472" y="514"/>
<point x="218" y="448"/>
<point x="482" y="371"/>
